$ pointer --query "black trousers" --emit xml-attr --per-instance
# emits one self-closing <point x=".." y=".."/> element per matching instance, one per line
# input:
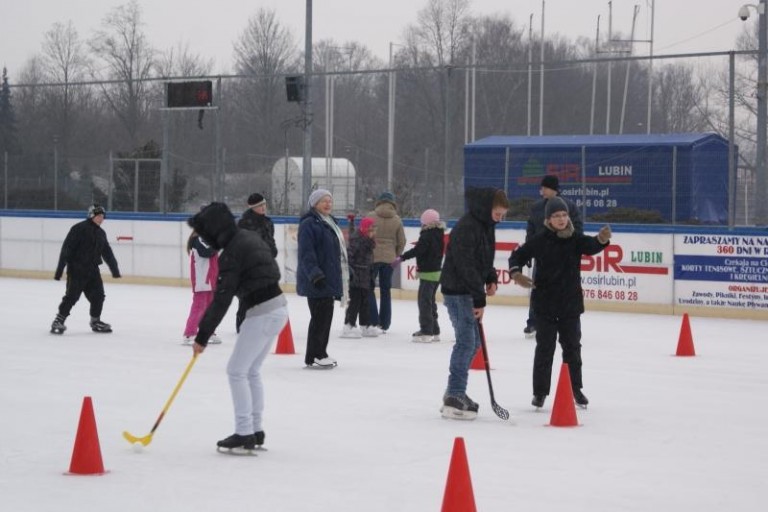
<point x="428" y="307"/>
<point x="358" y="305"/>
<point x="321" y="317"/>
<point x="547" y="331"/>
<point x="93" y="288"/>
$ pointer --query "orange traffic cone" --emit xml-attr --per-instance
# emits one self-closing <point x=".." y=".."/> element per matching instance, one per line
<point x="685" y="341"/>
<point x="458" y="496"/>
<point x="563" y="410"/>
<point x="478" y="362"/>
<point x="86" y="456"/>
<point x="285" y="340"/>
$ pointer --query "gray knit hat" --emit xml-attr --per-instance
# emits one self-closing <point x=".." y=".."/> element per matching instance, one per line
<point x="554" y="205"/>
<point x="317" y="195"/>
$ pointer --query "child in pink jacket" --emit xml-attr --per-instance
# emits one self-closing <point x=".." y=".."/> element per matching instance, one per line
<point x="204" y="270"/>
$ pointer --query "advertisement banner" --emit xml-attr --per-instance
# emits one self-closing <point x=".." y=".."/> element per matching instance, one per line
<point x="634" y="268"/>
<point x="721" y="271"/>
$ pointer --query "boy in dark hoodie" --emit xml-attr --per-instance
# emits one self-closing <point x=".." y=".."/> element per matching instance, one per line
<point x="428" y="252"/>
<point x="559" y="300"/>
<point x="467" y="277"/>
<point x="247" y="270"/>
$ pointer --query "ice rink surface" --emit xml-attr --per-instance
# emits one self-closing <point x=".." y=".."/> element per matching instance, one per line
<point x="662" y="433"/>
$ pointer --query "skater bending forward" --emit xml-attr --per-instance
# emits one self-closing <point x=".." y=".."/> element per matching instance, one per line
<point x="467" y="277"/>
<point x="247" y="270"/>
<point x="559" y="301"/>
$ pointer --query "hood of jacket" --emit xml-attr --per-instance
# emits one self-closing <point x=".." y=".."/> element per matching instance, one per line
<point x="385" y="209"/>
<point x="215" y="224"/>
<point x="480" y="204"/>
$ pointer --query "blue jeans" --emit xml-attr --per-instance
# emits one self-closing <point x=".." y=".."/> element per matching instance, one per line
<point x="467" y="341"/>
<point x="381" y="316"/>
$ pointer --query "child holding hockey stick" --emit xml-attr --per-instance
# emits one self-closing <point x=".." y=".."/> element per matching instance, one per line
<point x="247" y="270"/>
<point x="468" y="276"/>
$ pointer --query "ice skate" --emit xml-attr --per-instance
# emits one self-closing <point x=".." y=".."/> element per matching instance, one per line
<point x="420" y="337"/>
<point x="98" y="326"/>
<point x="187" y="340"/>
<point x="326" y="363"/>
<point x="214" y="340"/>
<point x="350" y="331"/>
<point x="58" y="327"/>
<point x="530" y="332"/>
<point x="538" y="401"/>
<point x="580" y="399"/>
<point x="459" y="407"/>
<point x="259" y="436"/>
<point x="370" y="331"/>
<point x="237" y="445"/>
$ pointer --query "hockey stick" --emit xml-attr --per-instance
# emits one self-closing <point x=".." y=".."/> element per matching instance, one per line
<point x="148" y="438"/>
<point x="499" y="410"/>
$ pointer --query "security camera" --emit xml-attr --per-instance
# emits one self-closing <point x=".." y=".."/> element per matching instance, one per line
<point x="744" y="13"/>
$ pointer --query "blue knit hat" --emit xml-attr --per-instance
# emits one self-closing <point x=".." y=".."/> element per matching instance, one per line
<point x="387" y="196"/>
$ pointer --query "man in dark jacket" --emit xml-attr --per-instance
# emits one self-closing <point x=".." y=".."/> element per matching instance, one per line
<point x="559" y="300"/>
<point x="468" y="275"/>
<point x="550" y="187"/>
<point x="84" y="249"/>
<point x="247" y="270"/>
<point x="255" y="219"/>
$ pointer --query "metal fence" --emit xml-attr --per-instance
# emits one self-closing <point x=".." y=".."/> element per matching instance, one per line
<point x="172" y="161"/>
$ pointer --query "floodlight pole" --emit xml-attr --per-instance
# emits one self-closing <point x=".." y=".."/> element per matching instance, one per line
<point x="762" y="92"/>
<point x="306" y="175"/>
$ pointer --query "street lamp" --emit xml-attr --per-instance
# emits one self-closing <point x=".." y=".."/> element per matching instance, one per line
<point x="762" y="91"/>
<point x="391" y="116"/>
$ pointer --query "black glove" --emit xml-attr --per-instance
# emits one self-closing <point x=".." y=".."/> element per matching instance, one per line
<point x="57" y="276"/>
<point x="319" y="282"/>
<point x="117" y="275"/>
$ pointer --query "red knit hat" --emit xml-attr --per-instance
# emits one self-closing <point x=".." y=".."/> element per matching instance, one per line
<point x="366" y="225"/>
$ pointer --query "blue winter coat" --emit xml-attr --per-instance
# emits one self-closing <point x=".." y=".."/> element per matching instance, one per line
<point x="319" y="258"/>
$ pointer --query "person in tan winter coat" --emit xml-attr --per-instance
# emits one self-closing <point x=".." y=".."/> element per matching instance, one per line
<point x="390" y="242"/>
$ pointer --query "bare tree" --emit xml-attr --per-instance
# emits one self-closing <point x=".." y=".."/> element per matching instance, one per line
<point x="264" y="52"/>
<point x="442" y="29"/>
<point x="125" y="57"/>
<point x="678" y="99"/>
<point x="65" y="61"/>
<point x="179" y="61"/>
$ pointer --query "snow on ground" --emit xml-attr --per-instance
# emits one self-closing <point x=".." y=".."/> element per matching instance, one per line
<point x="661" y="433"/>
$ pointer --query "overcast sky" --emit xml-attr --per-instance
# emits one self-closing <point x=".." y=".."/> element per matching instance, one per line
<point x="209" y="27"/>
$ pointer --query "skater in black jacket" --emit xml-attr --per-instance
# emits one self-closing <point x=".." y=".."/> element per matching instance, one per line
<point x="559" y="300"/>
<point x="84" y="249"/>
<point x="246" y="270"/>
<point x="550" y="187"/>
<point x="428" y="252"/>
<point x="255" y="219"/>
<point x="467" y="277"/>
